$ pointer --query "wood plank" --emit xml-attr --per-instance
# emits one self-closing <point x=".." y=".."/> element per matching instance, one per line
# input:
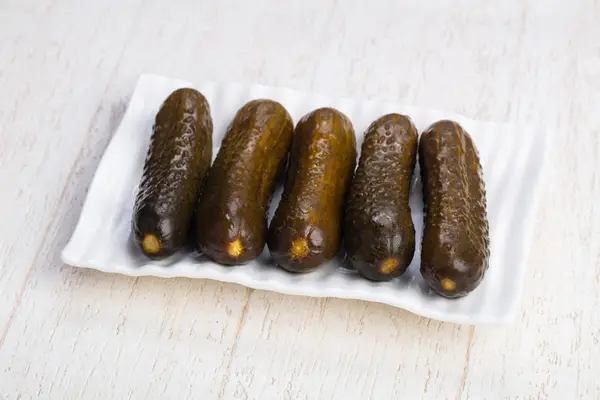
<point x="306" y="348"/>
<point x="52" y="81"/>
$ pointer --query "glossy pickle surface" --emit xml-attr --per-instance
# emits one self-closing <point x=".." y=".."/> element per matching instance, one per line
<point x="306" y="229"/>
<point x="455" y="247"/>
<point x="176" y="163"/>
<point x="379" y="234"/>
<point x="231" y="217"/>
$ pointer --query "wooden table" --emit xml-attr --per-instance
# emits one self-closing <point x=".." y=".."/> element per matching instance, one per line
<point x="67" y="70"/>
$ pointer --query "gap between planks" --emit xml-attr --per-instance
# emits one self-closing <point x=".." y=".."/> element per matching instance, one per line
<point x="240" y="325"/>
<point x="465" y="373"/>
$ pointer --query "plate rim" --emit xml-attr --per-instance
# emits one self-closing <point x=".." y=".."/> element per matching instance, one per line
<point x="68" y="255"/>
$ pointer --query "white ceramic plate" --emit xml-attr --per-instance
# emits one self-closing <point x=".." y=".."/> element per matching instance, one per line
<point x="512" y="159"/>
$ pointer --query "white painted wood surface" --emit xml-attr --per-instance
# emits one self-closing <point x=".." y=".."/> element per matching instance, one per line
<point x="67" y="69"/>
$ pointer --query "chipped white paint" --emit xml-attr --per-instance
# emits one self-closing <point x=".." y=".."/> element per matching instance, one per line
<point x="66" y="70"/>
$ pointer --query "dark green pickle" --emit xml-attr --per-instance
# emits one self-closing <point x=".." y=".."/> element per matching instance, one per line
<point x="231" y="217"/>
<point x="307" y="227"/>
<point x="455" y="247"/>
<point x="379" y="234"/>
<point x="175" y="166"/>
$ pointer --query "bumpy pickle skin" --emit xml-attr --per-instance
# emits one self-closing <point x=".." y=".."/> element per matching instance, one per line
<point x="306" y="229"/>
<point x="379" y="234"/>
<point x="231" y="217"/>
<point x="176" y="163"/>
<point x="455" y="248"/>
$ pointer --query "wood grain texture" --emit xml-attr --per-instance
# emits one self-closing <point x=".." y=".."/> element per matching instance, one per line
<point x="67" y="70"/>
<point x="51" y="93"/>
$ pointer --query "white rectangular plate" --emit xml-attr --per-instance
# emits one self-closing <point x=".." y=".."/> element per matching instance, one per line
<point x="512" y="158"/>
